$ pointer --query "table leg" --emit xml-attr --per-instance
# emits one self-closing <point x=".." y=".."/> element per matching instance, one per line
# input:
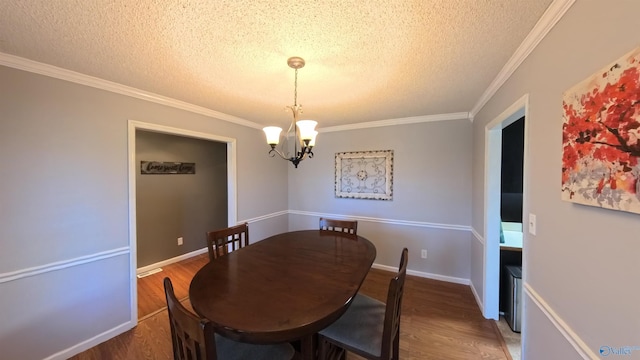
<point x="328" y="351"/>
<point x="309" y="347"/>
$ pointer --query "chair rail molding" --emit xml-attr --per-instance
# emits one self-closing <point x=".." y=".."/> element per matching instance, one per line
<point x="478" y="237"/>
<point x="581" y="347"/>
<point x="385" y="221"/>
<point x="63" y="264"/>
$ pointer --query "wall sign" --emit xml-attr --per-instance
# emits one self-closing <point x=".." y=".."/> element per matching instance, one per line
<point x="159" y="167"/>
<point x="364" y="175"/>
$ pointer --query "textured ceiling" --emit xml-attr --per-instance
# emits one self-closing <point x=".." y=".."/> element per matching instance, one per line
<point x="365" y="60"/>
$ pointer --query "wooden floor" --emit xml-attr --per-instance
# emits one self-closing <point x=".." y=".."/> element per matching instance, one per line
<point x="440" y="320"/>
<point x="151" y="291"/>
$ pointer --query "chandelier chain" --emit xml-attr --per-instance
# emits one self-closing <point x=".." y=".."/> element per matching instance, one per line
<point x="303" y="131"/>
<point x="295" y="90"/>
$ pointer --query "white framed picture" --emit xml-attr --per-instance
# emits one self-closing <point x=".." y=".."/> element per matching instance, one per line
<point x="364" y="175"/>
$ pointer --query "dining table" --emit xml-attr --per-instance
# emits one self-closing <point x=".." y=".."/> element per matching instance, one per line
<point x="284" y="288"/>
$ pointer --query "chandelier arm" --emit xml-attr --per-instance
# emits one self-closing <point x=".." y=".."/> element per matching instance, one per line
<point x="275" y="151"/>
<point x="301" y="148"/>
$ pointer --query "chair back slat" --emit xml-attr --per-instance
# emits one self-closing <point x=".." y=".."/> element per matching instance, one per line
<point x="344" y="226"/>
<point x="192" y="338"/>
<point x="391" y="330"/>
<point x="223" y="241"/>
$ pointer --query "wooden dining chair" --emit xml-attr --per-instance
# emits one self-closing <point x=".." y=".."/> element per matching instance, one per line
<point x="344" y="226"/>
<point x="221" y="242"/>
<point x="194" y="338"/>
<point x="369" y="328"/>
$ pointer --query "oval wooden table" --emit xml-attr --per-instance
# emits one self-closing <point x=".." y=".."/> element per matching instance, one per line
<point x="284" y="288"/>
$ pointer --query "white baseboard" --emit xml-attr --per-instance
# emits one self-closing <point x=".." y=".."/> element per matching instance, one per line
<point x="450" y="279"/>
<point x="475" y="294"/>
<point x="94" y="341"/>
<point x="171" y="261"/>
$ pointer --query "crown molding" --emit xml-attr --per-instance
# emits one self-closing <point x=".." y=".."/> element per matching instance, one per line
<point x="19" y="63"/>
<point x="551" y="16"/>
<point x="399" y="121"/>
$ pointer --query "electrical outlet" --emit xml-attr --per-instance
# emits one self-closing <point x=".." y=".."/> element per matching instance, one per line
<point x="423" y="254"/>
<point x="532" y="224"/>
<point x="180" y="241"/>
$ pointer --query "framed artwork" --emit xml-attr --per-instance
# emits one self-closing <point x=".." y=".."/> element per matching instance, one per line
<point x="364" y="175"/>
<point x="601" y="138"/>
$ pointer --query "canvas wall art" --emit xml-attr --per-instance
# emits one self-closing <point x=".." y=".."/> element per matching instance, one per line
<point x="601" y="138"/>
<point x="364" y="175"/>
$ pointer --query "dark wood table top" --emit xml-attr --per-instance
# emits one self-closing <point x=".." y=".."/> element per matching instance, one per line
<point x="283" y="288"/>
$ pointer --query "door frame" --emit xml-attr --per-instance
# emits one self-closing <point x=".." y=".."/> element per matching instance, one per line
<point x="492" y="180"/>
<point x="232" y="200"/>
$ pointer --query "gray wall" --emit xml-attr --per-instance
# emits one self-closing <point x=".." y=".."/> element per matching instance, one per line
<point x="431" y="206"/>
<point x="180" y="205"/>
<point x="581" y="269"/>
<point x="64" y="214"/>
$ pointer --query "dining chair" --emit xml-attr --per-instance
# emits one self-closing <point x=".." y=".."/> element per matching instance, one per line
<point x="194" y="338"/>
<point x="369" y="328"/>
<point x="344" y="226"/>
<point x="234" y="237"/>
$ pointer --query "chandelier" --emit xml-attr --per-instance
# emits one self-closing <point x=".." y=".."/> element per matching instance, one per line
<point x="302" y="131"/>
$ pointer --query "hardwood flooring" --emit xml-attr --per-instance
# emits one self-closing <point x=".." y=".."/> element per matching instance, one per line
<point x="151" y="291"/>
<point x="440" y="320"/>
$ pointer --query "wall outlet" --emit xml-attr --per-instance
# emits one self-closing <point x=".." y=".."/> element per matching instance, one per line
<point x="180" y="241"/>
<point x="532" y="224"/>
<point x="423" y="254"/>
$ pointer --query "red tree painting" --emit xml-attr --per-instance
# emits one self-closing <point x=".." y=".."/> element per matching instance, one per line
<point x="601" y="138"/>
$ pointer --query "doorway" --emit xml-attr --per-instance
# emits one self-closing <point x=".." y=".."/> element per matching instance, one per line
<point x="492" y="201"/>
<point x="133" y="126"/>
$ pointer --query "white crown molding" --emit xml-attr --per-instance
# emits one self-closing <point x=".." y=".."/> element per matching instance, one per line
<point x="399" y="121"/>
<point x="17" y="62"/>
<point x="551" y="16"/>
<point x="573" y="338"/>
